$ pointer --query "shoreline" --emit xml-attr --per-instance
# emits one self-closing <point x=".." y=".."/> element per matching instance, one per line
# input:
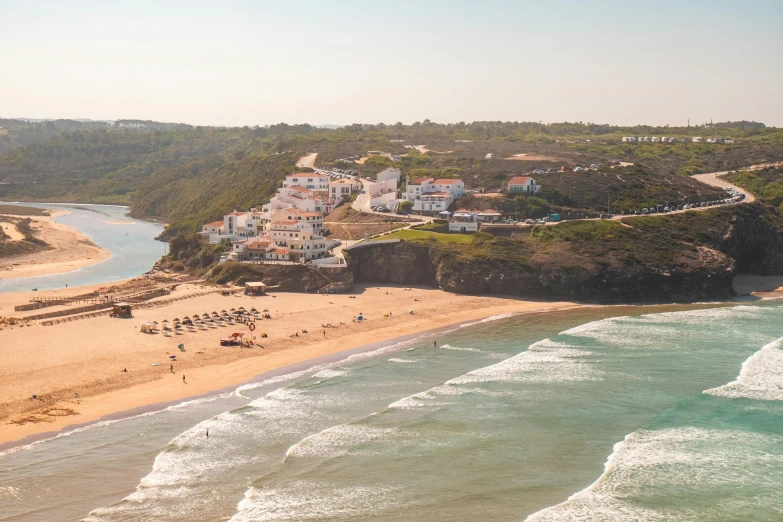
<point x="71" y="250"/>
<point x="212" y="380"/>
<point x="148" y="390"/>
<point x="293" y="368"/>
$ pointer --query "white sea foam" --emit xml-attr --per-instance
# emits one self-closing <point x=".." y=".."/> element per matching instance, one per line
<point x="760" y="378"/>
<point x="625" y="331"/>
<point x="401" y="360"/>
<point x="544" y="361"/>
<point x="304" y="500"/>
<point x="650" y="464"/>
<point x="461" y="348"/>
<point x="337" y="440"/>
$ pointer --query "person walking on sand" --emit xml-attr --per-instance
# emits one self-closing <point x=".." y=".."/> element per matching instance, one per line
<point x="183" y="379"/>
<point x="324" y="333"/>
<point x="172" y="368"/>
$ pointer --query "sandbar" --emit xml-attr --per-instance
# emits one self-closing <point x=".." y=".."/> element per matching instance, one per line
<point x="70" y="250"/>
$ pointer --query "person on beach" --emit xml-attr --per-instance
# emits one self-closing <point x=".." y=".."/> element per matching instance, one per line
<point x="207" y="432"/>
<point x="183" y="379"/>
<point x="125" y="370"/>
<point x="324" y="333"/>
<point x="435" y="343"/>
<point x="172" y="368"/>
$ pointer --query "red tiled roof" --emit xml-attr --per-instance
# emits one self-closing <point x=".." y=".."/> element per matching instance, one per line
<point x="519" y="180"/>
<point x="214" y="224"/>
<point x="447" y="181"/>
<point x="258" y="245"/>
<point x="237" y="213"/>
<point x="285" y="222"/>
<point x="279" y="251"/>
<point x="420" y="181"/>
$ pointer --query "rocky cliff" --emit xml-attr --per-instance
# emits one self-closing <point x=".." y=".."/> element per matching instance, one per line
<point x="669" y="259"/>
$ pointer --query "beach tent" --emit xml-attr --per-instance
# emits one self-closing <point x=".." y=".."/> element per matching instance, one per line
<point x="148" y="327"/>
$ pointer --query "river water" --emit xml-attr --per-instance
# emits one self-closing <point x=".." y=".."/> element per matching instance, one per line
<point x="133" y="246"/>
<point x="618" y="413"/>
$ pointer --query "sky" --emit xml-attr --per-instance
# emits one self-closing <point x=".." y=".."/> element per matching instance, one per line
<point x="235" y="63"/>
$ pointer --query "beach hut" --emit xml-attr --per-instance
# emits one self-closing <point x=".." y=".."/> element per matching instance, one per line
<point x="122" y="310"/>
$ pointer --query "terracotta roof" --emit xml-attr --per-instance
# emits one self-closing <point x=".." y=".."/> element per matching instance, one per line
<point x="420" y="181"/>
<point x="279" y="251"/>
<point x="285" y="222"/>
<point x="447" y="181"/>
<point x="310" y="214"/>
<point x="519" y="180"/>
<point x="258" y="245"/>
<point x="489" y="211"/>
<point x="299" y="188"/>
<point x="237" y="213"/>
<point x="214" y="224"/>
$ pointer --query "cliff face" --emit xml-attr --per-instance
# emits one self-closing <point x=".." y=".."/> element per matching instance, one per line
<point x="404" y="263"/>
<point x="288" y="278"/>
<point x="742" y="239"/>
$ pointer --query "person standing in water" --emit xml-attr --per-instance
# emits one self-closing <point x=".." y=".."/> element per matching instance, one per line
<point x="207" y="432"/>
<point x="435" y="343"/>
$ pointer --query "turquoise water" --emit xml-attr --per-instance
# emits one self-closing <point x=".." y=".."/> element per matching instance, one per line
<point x="134" y="248"/>
<point x="595" y="414"/>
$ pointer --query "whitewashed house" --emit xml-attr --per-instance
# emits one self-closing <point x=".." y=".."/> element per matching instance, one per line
<point x="523" y="185"/>
<point x="343" y="188"/>
<point x="309" y="180"/>
<point x="433" y="195"/>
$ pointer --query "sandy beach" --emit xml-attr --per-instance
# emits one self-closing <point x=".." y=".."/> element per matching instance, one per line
<point x="87" y="357"/>
<point x="70" y="250"/>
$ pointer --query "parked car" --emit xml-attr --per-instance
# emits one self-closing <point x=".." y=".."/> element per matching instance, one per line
<point x="565" y="168"/>
<point x="594" y="166"/>
<point x="579" y="169"/>
<point x="538" y="171"/>
<point x="680" y="207"/>
<point x="551" y="171"/>
<point x="606" y="216"/>
<point x="645" y="211"/>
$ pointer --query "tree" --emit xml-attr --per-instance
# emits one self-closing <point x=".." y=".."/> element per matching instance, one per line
<point x="406" y="205"/>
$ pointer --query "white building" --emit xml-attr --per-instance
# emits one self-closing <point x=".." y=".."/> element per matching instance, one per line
<point x="433" y="195"/>
<point x="523" y="185"/>
<point x="343" y="188"/>
<point x="309" y="180"/>
<point x="389" y="174"/>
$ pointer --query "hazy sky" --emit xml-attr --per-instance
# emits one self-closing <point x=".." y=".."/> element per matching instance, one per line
<point x="318" y="61"/>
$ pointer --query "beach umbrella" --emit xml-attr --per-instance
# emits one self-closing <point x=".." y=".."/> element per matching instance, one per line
<point x="223" y="311"/>
<point x="176" y="319"/>
<point x="205" y="316"/>
<point x="156" y="322"/>
<point x="178" y="327"/>
<point x="241" y="308"/>
<point x="253" y="310"/>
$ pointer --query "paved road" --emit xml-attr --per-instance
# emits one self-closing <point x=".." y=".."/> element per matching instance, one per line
<point x="711" y="178"/>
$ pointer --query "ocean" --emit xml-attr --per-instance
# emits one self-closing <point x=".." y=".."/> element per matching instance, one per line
<point x="615" y="413"/>
<point x="133" y="246"/>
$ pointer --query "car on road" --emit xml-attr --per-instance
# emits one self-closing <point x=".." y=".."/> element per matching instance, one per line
<point x="538" y="171"/>
<point x="551" y="171"/>
<point x="579" y="169"/>
<point x="565" y="168"/>
<point x="645" y="211"/>
<point x="595" y="166"/>
<point x="606" y="216"/>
